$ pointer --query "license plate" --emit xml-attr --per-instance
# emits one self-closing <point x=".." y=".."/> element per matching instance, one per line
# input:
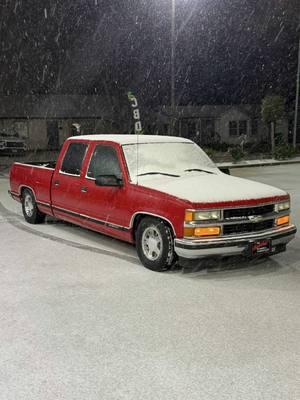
<point x="261" y="247"/>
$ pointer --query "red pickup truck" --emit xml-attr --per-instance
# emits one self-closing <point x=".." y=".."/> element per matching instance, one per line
<point x="162" y="193"/>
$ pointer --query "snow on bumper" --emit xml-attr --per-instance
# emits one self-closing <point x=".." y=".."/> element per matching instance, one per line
<point x="234" y="245"/>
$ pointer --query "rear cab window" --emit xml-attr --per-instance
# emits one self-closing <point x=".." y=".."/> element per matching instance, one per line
<point x="73" y="159"/>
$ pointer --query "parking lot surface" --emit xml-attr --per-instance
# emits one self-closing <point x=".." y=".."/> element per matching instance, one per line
<point x="81" y="318"/>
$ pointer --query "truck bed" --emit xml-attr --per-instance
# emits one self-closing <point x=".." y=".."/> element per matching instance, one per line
<point x="36" y="176"/>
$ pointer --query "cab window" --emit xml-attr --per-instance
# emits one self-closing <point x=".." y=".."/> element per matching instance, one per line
<point x="73" y="159"/>
<point x="104" y="162"/>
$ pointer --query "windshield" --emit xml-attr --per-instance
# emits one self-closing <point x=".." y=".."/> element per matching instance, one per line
<point x="172" y="159"/>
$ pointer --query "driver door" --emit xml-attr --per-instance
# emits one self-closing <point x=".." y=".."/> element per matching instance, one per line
<point x="99" y="204"/>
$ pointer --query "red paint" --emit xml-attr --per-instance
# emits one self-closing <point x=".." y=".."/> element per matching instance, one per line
<point x="111" y="205"/>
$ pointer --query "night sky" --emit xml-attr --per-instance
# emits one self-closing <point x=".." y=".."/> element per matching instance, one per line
<point x="227" y="51"/>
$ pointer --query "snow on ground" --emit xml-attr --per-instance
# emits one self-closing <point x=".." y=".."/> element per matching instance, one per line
<point x="260" y="162"/>
<point x="82" y="319"/>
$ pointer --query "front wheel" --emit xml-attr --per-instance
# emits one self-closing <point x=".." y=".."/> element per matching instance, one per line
<point x="30" y="211"/>
<point x="154" y="244"/>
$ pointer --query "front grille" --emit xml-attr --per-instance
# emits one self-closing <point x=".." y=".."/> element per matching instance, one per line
<point x="247" y="228"/>
<point x="15" y="144"/>
<point x="248" y="211"/>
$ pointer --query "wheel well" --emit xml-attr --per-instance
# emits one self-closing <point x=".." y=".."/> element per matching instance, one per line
<point x="139" y="217"/>
<point x="26" y="188"/>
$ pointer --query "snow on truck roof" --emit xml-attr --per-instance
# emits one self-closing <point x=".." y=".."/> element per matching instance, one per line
<point x="132" y="139"/>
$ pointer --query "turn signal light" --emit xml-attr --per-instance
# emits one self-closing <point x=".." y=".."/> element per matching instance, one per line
<point x="189" y="216"/>
<point x="283" y="220"/>
<point x="188" y="232"/>
<point x="205" y="231"/>
<point x="208" y="231"/>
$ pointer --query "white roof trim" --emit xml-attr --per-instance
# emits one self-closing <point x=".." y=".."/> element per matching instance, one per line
<point x="132" y="139"/>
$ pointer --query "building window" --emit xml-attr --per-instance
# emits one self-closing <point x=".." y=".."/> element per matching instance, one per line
<point x="233" y="128"/>
<point x="242" y="127"/>
<point x="254" y="127"/>
<point x="238" y="128"/>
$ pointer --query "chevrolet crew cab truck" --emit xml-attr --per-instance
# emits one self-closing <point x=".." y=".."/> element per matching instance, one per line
<point x="162" y="194"/>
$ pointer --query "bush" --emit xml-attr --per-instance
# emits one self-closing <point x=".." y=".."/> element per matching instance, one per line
<point x="237" y="153"/>
<point x="222" y="147"/>
<point x="209" y="151"/>
<point x="279" y="139"/>
<point x="284" y="151"/>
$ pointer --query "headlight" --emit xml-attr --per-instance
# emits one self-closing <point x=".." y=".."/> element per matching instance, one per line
<point x="202" y="215"/>
<point x="206" y="215"/>
<point x="282" y="206"/>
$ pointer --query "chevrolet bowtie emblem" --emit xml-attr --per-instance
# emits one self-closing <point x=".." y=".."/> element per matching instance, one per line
<point x="255" y="218"/>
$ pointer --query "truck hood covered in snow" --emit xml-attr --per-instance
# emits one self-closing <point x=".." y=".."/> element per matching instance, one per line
<point x="199" y="187"/>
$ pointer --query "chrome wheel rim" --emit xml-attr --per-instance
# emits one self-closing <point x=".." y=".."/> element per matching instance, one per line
<point x="152" y="243"/>
<point x="28" y="205"/>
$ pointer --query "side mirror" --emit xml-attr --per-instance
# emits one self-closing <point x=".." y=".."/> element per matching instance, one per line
<point x="108" y="180"/>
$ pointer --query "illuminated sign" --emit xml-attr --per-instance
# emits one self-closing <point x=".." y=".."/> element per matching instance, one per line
<point x="136" y="113"/>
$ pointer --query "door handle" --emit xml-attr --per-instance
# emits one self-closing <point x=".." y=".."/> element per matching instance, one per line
<point x="56" y="183"/>
<point x="84" y="189"/>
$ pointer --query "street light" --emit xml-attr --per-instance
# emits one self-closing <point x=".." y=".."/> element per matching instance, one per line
<point x="174" y="34"/>
<point x="297" y="99"/>
<point x="173" y="44"/>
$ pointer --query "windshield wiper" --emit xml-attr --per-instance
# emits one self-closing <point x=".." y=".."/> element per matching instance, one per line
<point x="158" y="173"/>
<point x="198" y="169"/>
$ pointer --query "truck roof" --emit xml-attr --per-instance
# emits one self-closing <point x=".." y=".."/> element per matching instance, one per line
<point x="132" y="139"/>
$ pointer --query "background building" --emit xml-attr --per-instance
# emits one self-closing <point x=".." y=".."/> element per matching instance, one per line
<point x="225" y="124"/>
<point x="46" y="121"/>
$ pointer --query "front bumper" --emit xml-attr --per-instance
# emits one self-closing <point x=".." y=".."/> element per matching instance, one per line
<point x="233" y="245"/>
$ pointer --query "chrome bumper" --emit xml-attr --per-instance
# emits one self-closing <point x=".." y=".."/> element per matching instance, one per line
<point x="233" y="245"/>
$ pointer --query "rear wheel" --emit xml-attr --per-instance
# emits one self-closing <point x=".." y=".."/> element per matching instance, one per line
<point x="154" y="243"/>
<point x="30" y="211"/>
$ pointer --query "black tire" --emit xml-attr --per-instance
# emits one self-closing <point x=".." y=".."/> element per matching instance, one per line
<point x="162" y="257"/>
<point x="30" y="211"/>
